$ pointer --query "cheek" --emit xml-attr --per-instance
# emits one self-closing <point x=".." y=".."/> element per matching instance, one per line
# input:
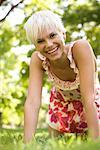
<point x="40" y="48"/>
<point x="61" y="40"/>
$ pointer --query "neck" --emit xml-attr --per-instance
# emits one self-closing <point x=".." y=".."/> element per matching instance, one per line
<point x="60" y="63"/>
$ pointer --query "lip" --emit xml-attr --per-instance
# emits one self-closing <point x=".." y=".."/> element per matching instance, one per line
<point x="53" y="50"/>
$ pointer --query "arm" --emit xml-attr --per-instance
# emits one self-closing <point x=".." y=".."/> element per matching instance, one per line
<point x="84" y="58"/>
<point x="33" y="101"/>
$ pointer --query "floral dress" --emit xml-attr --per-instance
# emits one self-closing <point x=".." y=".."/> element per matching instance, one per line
<point x="66" y="112"/>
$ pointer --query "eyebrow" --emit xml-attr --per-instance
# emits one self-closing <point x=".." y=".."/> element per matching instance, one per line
<point x="39" y="39"/>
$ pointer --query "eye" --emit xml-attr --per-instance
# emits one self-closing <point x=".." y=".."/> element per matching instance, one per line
<point x="40" y="41"/>
<point x="52" y="35"/>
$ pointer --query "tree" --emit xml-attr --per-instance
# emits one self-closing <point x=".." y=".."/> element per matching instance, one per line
<point x="5" y="3"/>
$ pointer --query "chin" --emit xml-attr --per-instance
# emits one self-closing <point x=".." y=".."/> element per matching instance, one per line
<point x="56" y="57"/>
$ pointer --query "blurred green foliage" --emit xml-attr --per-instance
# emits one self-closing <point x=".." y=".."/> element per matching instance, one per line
<point x="80" y="20"/>
<point x="13" y="139"/>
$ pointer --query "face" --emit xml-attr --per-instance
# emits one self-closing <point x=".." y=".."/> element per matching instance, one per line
<point x="51" y="44"/>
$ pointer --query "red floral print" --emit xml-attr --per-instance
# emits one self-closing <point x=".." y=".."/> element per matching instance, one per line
<point x="68" y="115"/>
<point x="50" y="111"/>
<point x="60" y="97"/>
<point x="64" y="122"/>
<point x="58" y="103"/>
<point x="65" y="109"/>
<point x="83" y="125"/>
<point x="56" y="109"/>
<point x="54" y="118"/>
<point x="73" y="127"/>
<point x="77" y="104"/>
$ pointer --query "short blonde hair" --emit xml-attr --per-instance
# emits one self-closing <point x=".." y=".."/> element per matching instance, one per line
<point x="41" y="20"/>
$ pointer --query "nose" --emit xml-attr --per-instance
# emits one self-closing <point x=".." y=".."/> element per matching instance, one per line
<point x="49" y="43"/>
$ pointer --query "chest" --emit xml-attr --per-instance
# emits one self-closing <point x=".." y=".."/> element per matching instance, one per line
<point x="65" y="74"/>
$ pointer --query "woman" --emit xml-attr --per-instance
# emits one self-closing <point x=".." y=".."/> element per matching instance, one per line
<point x="75" y="97"/>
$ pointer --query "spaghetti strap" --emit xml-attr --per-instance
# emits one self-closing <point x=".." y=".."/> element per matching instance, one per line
<point x="70" y="57"/>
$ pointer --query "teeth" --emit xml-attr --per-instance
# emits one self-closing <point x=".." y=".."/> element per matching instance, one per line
<point x="52" y="50"/>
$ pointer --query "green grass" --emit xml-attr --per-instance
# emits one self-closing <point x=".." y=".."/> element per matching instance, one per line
<point x="13" y="140"/>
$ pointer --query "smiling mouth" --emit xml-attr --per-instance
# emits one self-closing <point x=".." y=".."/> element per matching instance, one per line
<point x="53" y="50"/>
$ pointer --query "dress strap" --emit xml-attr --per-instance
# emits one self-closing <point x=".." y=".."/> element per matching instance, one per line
<point x="40" y="55"/>
<point x="70" y="57"/>
<point x="45" y="62"/>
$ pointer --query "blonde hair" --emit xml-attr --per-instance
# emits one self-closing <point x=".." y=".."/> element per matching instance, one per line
<point x="41" y="20"/>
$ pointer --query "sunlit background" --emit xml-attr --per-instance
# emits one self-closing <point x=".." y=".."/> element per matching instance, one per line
<point x="81" y="20"/>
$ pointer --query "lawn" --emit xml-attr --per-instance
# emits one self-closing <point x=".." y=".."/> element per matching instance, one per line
<point x="13" y="140"/>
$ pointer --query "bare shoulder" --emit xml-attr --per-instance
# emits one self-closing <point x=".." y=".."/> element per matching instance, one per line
<point x="82" y="45"/>
<point x="79" y="46"/>
<point x="83" y="49"/>
<point x="35" y="60"/>
<point x="81" y="41"/>
<point x="83" y="53"/>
